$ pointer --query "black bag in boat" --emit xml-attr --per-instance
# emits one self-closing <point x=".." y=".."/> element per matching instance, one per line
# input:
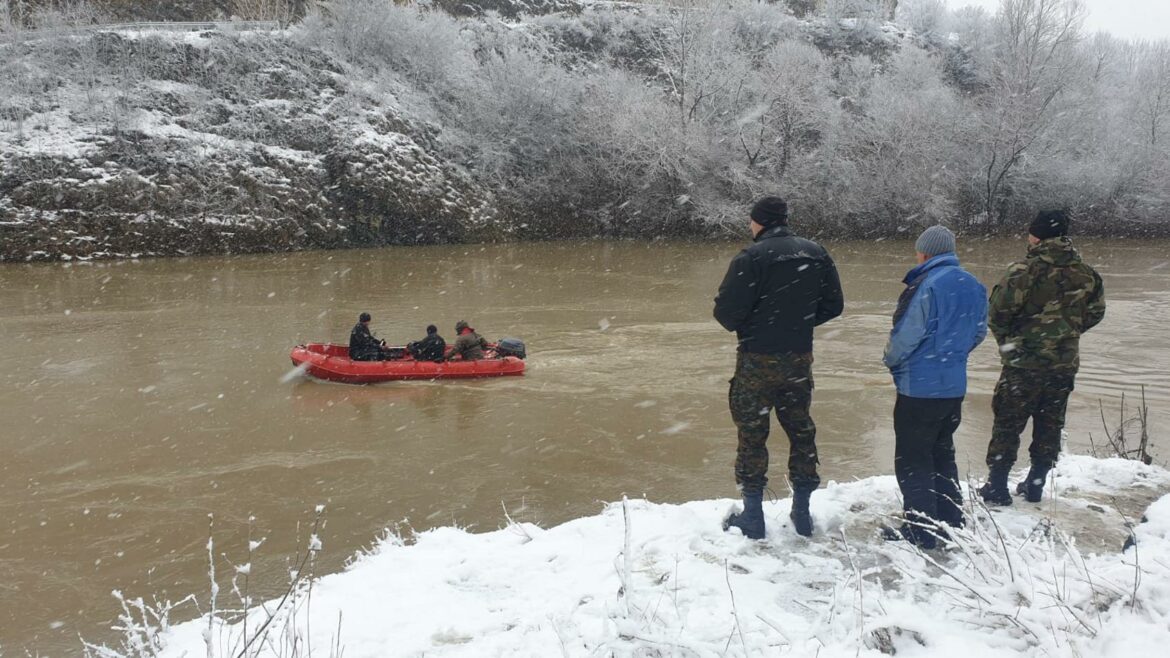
<point x="511" y="347"/>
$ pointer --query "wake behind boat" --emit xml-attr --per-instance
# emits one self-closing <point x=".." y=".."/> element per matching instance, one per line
<point x="331" y="362"/>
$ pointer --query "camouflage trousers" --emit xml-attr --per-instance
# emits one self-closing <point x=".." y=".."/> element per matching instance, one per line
<point x="763" y="383"/>
<point x="1022" y="394"/>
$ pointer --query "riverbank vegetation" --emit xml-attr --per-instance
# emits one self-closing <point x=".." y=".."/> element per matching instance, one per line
<point x="364" y="122"/>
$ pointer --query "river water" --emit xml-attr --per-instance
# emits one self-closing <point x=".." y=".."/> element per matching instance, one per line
<point x="138" y="397"/>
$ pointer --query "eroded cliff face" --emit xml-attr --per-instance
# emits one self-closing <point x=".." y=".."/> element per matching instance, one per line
<point x="210" y="142"/>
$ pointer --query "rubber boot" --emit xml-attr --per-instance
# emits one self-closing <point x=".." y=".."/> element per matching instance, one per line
<point x="751" y="520"/>
<point x="1032" y="488"/>
<point x="801" y="518"/>
<point x="995" y="492"/>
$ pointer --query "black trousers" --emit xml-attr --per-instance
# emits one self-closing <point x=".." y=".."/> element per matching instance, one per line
<point x="924" y="458"/>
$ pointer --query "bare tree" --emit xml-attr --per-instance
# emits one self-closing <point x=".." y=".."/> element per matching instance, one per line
<point x="922" y="16"/>
<point x="282" y="11"/>
<point x="11" y="15"/>
<point x="1034" y="63"/>
<point x="1152" y="89"/>
<point x="895" y="156"/>
<point x="689" y="56"/>
<point x="780" y="107"/>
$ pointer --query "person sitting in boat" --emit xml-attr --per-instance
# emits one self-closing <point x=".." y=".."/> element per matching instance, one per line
<point x="362" y="344"/>
<point x="469" y="345"/>
<point x="431" y="348"/>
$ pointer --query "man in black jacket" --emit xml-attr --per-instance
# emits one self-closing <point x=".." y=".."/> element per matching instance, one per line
<point x="362" y="344"/>
<point x="774" y="293"/>
<point x="431" y="348"/>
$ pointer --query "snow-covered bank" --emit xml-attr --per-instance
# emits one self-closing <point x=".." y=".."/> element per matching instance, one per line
<point x="655" y="579"/>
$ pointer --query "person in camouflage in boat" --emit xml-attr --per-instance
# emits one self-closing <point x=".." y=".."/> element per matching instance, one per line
<point x="469" y="345"/>
<point x="1037" y="314"/>
<point x="774" y="293"/>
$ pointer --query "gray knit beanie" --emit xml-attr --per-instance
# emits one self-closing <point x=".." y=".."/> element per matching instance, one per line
<point x="935" y="240"/>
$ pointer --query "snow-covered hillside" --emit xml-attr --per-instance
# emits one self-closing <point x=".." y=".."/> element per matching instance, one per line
<point x="646" y="579"/>
<point x="369" y="122"/>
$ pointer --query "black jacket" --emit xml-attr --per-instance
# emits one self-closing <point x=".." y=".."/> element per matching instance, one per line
<point x="776" y="291"/>
<point x="362" y="344"/>
<point x="431" y="348"/>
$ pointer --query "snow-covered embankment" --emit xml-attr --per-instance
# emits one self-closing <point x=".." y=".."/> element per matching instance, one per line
<point x="649" y="579"/>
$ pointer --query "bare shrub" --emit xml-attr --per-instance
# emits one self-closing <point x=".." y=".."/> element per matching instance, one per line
<point x="1130" y="438"/>
<point x="278" y="627"/>
<point x="65" y="15"/>
<point x="282" y="11"/>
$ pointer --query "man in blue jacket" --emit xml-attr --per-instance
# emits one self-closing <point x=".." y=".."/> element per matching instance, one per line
<point x="941" y="318"/>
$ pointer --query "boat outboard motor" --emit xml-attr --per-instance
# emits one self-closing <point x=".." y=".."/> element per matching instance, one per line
<point x="511" y="347"/>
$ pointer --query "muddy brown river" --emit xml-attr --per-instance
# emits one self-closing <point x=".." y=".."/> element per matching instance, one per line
<point x="138" y="397"/>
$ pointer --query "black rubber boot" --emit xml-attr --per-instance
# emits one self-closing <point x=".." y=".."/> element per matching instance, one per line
<point x="801" y="518"/>
<point x="995" y="492"/>
<point x="1032" y="488"/>
<point x="751" y="520"/>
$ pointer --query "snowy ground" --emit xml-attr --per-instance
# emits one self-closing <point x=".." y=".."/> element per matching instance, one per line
<point x="644" y="579"/>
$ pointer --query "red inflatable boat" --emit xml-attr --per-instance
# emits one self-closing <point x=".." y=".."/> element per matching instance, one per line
<point x="331" y="362"/>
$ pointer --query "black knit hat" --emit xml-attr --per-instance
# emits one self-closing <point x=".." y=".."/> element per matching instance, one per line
<point x="770" y="211"/>
<point x="432" y="329"/>
<point x="364" y="317"/>
<point x="1049" y="224"/>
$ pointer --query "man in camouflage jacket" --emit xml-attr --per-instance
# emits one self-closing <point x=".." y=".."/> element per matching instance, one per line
<point x="469" y="345"/>
<point x="1037" y="313"/>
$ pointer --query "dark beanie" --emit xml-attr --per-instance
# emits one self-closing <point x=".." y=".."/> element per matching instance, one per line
<point x="432" y="329"/>
<point x="1049" y="224"/>
<point x="770" y="211"/>
<point x="364" y="317"/>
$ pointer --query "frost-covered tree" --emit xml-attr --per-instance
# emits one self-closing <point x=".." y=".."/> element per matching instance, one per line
<point x="864" y="9"/>
<point x="9" y="16"/>
<point x="1152" y="92"/>
<point x="903" y="144"/>
<point x="692" y="56"/>
<point x="779" y="108"/>
<point x="1035" y="59"/>
<point x="923" y="16"/>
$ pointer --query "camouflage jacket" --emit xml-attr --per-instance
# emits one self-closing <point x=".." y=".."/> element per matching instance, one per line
<point x="470" y="346"/>
<point x="1043" y="304"/>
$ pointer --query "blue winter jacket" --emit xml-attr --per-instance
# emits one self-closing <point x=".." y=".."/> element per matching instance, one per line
<point x="941" y="317"/>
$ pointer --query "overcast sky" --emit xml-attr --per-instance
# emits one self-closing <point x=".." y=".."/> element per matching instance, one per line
<point x="1133" y="19"/>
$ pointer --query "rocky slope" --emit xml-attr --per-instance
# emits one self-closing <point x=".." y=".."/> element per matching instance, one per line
<point x="212" y="142"/>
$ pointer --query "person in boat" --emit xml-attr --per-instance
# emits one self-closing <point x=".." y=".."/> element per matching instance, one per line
<point x="431" y="348"/>
<point x="362" y="344"/>
<point x="468" y="345"/>
<point x="774" y="293"/>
